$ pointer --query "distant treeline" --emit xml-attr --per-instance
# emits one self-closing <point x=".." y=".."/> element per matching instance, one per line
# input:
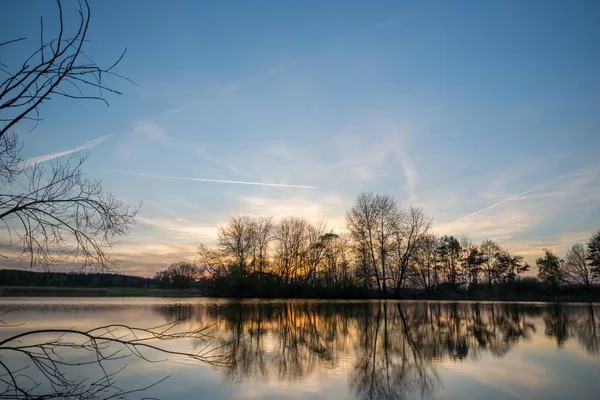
<point x="14" y="277"/>
<point x="386" y="251"/>
<point x="268" y="286"/>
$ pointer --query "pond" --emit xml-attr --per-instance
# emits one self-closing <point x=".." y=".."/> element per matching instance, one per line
<point x="307" y="349"/>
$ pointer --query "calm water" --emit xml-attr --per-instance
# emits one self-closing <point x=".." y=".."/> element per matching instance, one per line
<point x="340" y="350"/>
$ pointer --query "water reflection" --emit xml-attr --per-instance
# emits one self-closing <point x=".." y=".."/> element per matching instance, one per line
<point x="390" y="349"/>
<point x="587" y="330"/>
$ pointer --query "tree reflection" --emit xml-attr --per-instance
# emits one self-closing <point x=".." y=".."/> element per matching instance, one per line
<point x="391" y="363"/>
<point x="557" y="324"/>
<point x="564" y="322"/>
<point x="588" y="331"/>
<point x="390" y="349"/>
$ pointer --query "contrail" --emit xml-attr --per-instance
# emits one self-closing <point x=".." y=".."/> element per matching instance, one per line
<point x="526" y="192"/>
<point x="47" y="157"/>
<point x="230" y="182"/>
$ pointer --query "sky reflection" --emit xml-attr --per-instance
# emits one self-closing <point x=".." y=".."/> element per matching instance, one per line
<point x="361" y="350"/>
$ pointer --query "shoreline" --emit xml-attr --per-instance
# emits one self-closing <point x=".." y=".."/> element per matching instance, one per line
<point x="49" y="291"/>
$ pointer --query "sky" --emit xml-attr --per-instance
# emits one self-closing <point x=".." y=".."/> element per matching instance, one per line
<point x="484" y="113"/>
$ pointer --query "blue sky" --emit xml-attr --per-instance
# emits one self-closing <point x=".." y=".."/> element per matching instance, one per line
<point x="453" y="106"/>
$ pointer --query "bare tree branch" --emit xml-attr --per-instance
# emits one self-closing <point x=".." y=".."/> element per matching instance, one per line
<point x="61" y="215"/>
<point x="49" y="363"/>
<point x="52" y="69"/>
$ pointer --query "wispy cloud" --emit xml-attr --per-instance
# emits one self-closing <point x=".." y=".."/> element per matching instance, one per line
<point x="151" y="131"/>
<point x="234" y="87"/>
<point x="371" y="159"/>
<point x="312" y="206"/>
<point x="522" y="194"/>
<point x="559" y="243"/>
<point x="208" y="156"/>
<point x="181" y="228"/>
<point x="179" y="109"/>
<point x="228" y="182"/>
<point x="279" y="151"/>
<point x="409" y="167"/>
<point x="145" y="134"/>
<point x="499" y="226"/>
<point x="48" y="157"/>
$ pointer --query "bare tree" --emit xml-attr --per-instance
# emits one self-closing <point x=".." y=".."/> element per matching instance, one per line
<point x="387" y="218"/>
<point x="262" y="235"/>
<point x="344" y="259"/>
<point x="290" y="245"/>
<point x="412" y="229"/>
<point x="423" y="267"/>
<point x="10" y="162"/>
<point x="465" y="242"/>
<point x="576" y="266"/>
<point x="337" y="259"/>
<point x="364" y="269"/>
<point x="55" y="214"/>
<point x="386" y="236"/>
<point x="490" y="252"/>
<point x="360" y="222"/>
<point x="179" y="275"/>
<point x="449" y="253"/>
<point x="236" y="239"/>
<point x="316" y="249"/>
<point x="211" y="262"/>
<point x="60" y="215"/>
<point x="471" y="262"/>
<point x="373" y="224"/>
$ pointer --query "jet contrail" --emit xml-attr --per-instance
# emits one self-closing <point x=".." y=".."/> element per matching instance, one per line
<point x="525" y="192"/>
<point x="47" y="157"/>
<point x="230" y="182"/>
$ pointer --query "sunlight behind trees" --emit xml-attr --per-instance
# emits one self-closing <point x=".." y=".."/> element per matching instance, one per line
<point x="387" y="250"/>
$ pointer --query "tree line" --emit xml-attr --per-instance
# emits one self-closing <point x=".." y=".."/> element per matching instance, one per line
<point x="386" y="251"/>
<point x="16" y="277"/>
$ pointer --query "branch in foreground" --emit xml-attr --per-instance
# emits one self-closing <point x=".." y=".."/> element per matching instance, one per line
<point x="59" y="67"/>
<point x="46" y="369"/>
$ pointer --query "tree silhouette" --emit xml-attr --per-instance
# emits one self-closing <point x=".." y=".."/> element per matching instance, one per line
<point x="593" y="256"/>
<point x="55" y="214"/>
<point x="550" y="268"/>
